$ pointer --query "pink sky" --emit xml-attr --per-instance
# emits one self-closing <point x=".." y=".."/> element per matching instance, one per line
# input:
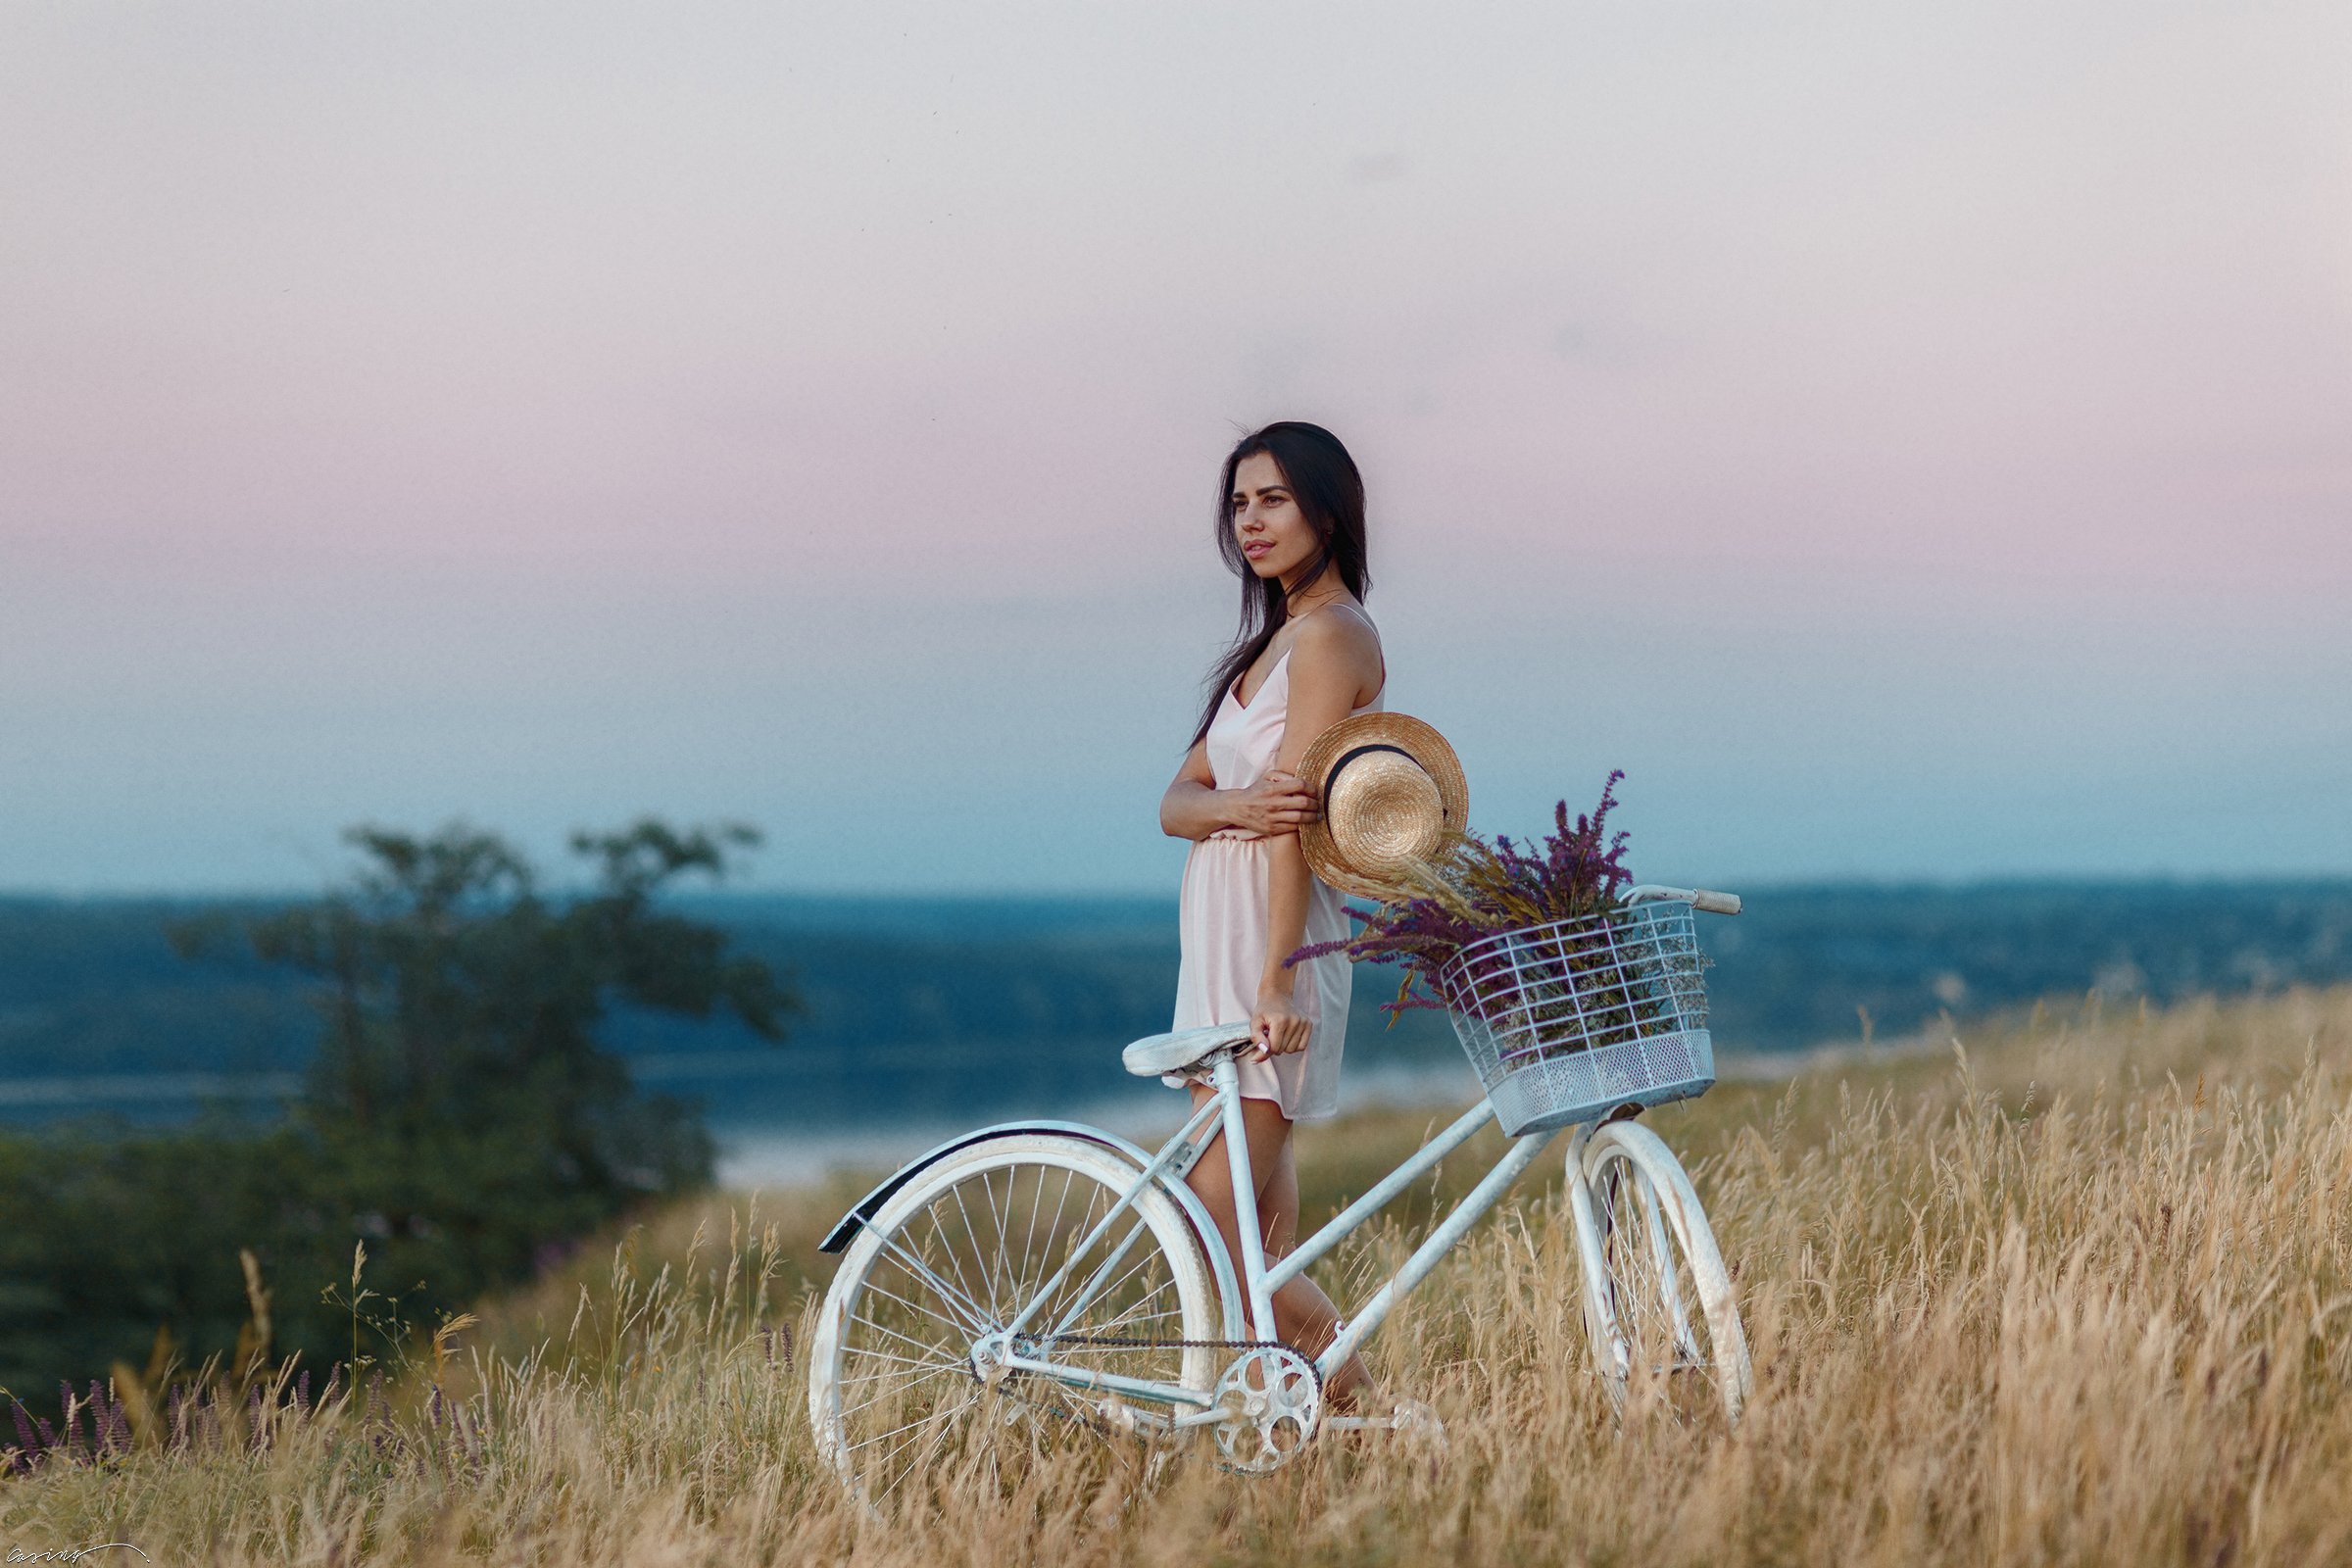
<point x="1908" y="444"/>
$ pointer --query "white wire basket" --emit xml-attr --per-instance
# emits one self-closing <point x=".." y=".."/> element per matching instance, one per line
<point x="1568" y="1021"/>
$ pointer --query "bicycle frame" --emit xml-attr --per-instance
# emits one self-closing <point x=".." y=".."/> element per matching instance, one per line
<point x="1258" y="1279"/>
<point x="1258" y="1380"/>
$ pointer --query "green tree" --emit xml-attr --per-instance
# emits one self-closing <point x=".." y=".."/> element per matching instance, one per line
<point x="462" y="1116"/>
<point x="452" y="990"/>
<point x="460" y="1081"/>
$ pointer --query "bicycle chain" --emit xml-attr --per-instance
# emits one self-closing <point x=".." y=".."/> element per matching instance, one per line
<point x="1124" y="1342"/>
<point x="1174" y="1345"/>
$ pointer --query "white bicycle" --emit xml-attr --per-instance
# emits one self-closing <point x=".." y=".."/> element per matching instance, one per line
<point x="1035" y="1284"/>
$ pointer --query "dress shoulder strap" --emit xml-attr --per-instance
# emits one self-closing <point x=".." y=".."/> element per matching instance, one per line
<point x="1342" y="604"/>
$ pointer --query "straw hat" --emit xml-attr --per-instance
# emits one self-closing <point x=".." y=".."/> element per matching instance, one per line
<point x="1390" y="787"/>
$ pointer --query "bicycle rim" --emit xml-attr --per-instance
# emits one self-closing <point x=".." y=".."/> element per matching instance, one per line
<point x="895" y="1396"/>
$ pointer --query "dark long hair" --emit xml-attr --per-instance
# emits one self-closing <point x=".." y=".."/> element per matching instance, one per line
<point x="1330" y="494"/>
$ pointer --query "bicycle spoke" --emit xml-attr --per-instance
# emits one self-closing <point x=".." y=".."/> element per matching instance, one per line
<point x="962" y="1330"/>
<point x="915" y="1265"/>
<point x="972" y="1234"/>
<point x="940" y="1242"/>
<point x="1095" y="1289"/>
<point x="915" y="1426"/>
<point x="1029" y="1249"/>
<point x="892" y="1384"/>
<point x="1126" y="1318"/>
<point x="932" y="1429"/>
<point x="919" y="1274"/>
<point x="998" y="1263"/>
<point x="1043" y="1262"/>
<point x="1084" y="1224"/>
<point x="867" y="1354"/>
<point x="912" y="1380"/>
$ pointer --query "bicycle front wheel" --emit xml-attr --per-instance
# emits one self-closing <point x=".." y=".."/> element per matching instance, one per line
<point x="900" y="1377"/>
<point x="1658" y="1301"/>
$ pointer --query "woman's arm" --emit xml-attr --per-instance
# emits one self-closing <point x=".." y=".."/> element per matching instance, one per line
<point x="1193" y="807"/>
<point x="1335" y="657"/>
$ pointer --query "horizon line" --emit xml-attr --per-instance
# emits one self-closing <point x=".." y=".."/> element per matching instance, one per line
<point x="1036" y="895"/>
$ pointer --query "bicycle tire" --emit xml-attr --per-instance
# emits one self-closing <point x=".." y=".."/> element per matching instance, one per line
<point x="951" y="1256"/>
<point x="1649" y="1256"/>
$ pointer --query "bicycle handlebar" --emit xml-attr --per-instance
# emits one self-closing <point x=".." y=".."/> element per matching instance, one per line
<point x="1697" y="898"/>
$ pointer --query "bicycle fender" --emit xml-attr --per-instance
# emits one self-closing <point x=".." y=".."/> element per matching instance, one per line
<point x="870" y="1204"/>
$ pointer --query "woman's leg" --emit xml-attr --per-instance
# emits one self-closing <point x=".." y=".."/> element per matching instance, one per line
<point x="1304" y="1315"/>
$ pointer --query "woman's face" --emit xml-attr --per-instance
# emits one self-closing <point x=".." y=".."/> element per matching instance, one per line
<point x="1275" y="536"/>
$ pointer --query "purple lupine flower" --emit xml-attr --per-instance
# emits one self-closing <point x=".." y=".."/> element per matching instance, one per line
<point x="372" y="1419"/>
<point x="101" y="1419"/>
<point x="22" y="1457"/>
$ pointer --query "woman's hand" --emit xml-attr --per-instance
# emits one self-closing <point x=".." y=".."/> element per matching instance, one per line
<point x="1277" y="1026"/>
<point x="1277" y="804"/>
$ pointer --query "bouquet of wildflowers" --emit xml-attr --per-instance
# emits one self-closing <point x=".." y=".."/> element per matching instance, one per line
<point x="1471" y="890"/>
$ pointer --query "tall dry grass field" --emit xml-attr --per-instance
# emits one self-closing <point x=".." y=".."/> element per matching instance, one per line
<point x="2080" y="1291"/>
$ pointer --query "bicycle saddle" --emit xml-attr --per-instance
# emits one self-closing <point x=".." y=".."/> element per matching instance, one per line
<point x="1154" y="1055"/>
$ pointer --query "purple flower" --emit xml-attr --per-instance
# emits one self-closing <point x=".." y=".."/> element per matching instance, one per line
<point x="27" y="1444"/>
<point x="1475" y="890"/>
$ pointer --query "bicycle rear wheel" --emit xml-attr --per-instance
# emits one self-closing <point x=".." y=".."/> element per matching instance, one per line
<point x="895" y="1383"/>
<point x="1658" y="1301"/>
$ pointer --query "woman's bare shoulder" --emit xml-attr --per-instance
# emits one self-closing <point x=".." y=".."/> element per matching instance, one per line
<point x="1338" y="637"/>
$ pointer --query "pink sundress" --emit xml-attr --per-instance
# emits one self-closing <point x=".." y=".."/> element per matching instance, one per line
<point x="1223" y="913"/>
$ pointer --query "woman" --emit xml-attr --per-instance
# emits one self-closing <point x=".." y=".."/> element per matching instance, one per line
<point x="1290" y="524"/>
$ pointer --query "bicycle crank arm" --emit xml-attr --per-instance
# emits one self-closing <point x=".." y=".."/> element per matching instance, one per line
<point x="1120" y="1416"/>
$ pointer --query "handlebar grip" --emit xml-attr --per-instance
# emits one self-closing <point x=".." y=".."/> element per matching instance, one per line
<point x="1715" y="902"/>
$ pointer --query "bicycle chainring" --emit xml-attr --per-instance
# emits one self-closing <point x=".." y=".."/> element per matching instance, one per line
<point x="1272" y="1399"/>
